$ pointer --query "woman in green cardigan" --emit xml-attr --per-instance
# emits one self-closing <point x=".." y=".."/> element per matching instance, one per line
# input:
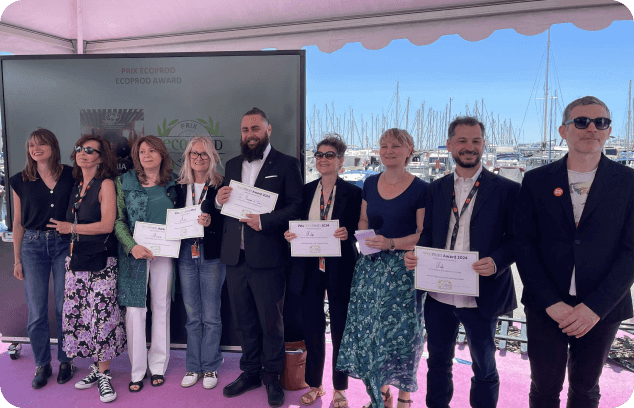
<point x="145" y="194"/>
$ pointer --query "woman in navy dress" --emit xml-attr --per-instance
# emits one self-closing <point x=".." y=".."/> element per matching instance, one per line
<point x="383" y="342"/>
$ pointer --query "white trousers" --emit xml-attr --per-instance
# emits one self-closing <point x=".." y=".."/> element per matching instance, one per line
<point x="159" y="277"/>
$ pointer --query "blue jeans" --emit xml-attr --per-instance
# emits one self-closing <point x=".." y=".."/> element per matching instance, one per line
<point x="441" y="321"/>
<point x="43" y="253"/>
<point x="201" y="284"/>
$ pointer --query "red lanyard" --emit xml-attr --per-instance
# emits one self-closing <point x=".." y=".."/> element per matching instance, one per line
<point x="454" y="209"/>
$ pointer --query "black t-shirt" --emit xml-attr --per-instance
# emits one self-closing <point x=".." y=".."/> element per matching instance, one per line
<point x="39" y="203"/>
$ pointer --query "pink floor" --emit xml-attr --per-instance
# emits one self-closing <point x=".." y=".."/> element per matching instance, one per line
<point x="15" y="378"/>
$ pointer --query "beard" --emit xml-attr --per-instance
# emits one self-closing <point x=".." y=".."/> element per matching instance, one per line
<point x="458" y="159"/>
<point x="257" y="152"/>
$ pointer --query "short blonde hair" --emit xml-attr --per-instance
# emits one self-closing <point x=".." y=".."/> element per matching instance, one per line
<point x="186" y="175"/>
<point x="402" y="136"/>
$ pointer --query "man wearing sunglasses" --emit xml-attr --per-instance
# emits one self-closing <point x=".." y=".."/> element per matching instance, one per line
<point x="574" y="226"/>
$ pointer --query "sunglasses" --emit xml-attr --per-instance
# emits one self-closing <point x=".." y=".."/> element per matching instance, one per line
<point x="583" y="122"/>
<point x="327" y="155"/>
<point x="87" y="149"/>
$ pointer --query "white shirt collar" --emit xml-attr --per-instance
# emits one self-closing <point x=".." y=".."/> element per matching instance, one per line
<point x="456" y="177"/>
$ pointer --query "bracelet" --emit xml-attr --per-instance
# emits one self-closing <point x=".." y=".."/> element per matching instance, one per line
<point x="73" y="228"/>
<point x="17" y="263"/>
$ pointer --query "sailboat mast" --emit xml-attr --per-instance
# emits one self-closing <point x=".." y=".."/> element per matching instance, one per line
<point x="546" y="90"/>
<point x="396" y="115"/>
<point x="629" y="117"/>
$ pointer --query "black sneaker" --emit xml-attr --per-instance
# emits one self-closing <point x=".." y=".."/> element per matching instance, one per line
<point x="41" y="375"/>
<point x="89" y="380"/>
<point x="66" y="372"/>
<point x="106" y="392"/>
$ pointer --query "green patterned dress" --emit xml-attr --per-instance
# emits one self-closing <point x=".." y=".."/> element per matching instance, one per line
<point x="383" y="339"/>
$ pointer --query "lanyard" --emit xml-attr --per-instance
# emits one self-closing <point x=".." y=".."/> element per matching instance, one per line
<point x="202" y="195"/>
<point x="75" y="209"/>
<point x="323" y="210"/>
<point x="454" y="209"/>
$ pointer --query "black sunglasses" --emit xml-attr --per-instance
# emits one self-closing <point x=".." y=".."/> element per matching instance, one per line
<point x="583" y="122"/>
<point x="87" y="149"/>
<point x="327" y="155"/>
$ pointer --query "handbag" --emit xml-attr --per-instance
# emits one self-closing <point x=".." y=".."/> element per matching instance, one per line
<point x="88" y="256"/>
<point x="294" y="375"/>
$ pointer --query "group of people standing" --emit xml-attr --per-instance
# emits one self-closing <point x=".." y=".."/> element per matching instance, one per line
<point x="569" y="227"/>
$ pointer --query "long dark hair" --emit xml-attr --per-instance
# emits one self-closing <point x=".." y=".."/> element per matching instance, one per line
<point x="108" y="166"/>
<point x="165" y="174"/>
<point x="54" y="162"/>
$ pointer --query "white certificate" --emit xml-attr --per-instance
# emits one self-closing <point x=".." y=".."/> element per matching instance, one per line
<point x="445" y="271"/>
<point x="183" y="223"/>
<point x="315" y="238"/>
<point x="245" y="200"/>
<point x="152" y="236"/>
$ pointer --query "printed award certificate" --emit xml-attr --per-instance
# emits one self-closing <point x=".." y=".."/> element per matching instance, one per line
<point x="183" y="223"/>
<point x="445" y="271"/>
<point x="315" y="238"/>
<point x="152" y="236"/>
<point x="245" y="200"/>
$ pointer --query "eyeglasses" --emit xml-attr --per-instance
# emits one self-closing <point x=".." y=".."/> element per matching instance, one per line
<point x="327" y="155"/>
<point x="195" y="155"/>
<point x="87" y="149"/>
<point x="583" y="122"/>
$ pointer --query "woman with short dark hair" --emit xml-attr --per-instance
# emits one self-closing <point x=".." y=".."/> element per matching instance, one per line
<point x="93" y="320"/>
<point x="41" y="192"/>
<point x="329" y="198"/>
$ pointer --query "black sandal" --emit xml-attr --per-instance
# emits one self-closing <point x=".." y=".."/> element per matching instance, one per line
<point x="409" y="401"/>
<point x="157" y="377"/>
<point x="137" y="383"/>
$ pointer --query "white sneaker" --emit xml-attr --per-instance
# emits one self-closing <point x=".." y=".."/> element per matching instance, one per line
<point x="210" y="380"/>
<point x="190" y="379"/>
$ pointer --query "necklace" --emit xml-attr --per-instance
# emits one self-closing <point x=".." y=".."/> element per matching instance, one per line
<point x="392" y="184"/>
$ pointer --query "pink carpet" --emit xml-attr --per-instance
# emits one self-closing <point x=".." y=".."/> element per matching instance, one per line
<point x="15" y="385"/>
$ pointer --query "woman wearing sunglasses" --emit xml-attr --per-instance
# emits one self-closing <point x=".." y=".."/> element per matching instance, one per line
<point x="41" y="192"/>
<point x="328" y="198"/>
<point x="93" y="321"/>
<point x="201" y="272"/>
<point x="145" y="194"/>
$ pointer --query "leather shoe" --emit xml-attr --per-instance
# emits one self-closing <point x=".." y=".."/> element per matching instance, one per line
<point x="275" y="393"/>
<point x="66" y="372"/>
<point x="245" y="382"/>
<point x="41" y="375"/>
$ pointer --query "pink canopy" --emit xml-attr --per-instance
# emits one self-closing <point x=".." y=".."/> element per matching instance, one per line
<point x="118" y="26"/>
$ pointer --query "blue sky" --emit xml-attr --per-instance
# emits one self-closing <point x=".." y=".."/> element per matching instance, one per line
<point x="501" y="69"/>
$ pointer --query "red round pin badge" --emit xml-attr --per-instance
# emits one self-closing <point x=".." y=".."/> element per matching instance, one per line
<point x="558" y="192"/>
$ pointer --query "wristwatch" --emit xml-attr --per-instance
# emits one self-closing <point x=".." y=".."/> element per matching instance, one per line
<point x="392" y="248"/>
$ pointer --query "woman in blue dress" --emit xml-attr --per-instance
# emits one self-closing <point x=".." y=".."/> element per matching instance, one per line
<point x="383" y="342"/>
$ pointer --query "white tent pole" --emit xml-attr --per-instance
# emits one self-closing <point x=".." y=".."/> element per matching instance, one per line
<point x="80" y="28"/>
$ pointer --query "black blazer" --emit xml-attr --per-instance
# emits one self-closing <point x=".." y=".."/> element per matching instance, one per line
<point x="601" y="247"/>
<point x="491" y="234"/>
<point x="346" y="209"/>
<point x="267" y="248"/>
<point x="213" y="233"/>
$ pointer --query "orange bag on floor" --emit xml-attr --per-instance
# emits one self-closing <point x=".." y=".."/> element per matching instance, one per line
<point x="294" y="375"/>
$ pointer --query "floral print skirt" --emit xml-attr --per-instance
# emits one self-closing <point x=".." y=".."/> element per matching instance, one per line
<point x="383" y="339"/>
<point x="93" y="321"/>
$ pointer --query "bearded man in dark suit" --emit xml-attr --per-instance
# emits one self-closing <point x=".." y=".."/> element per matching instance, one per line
<point x="256" y="255"/>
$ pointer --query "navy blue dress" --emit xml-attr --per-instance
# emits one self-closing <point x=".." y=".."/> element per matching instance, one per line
<point x="382" y="342"/>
